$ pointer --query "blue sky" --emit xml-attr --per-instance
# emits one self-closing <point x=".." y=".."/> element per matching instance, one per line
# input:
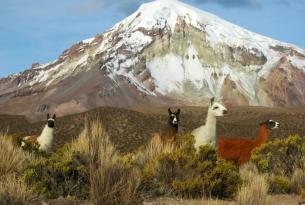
<point x="40" y="30"/>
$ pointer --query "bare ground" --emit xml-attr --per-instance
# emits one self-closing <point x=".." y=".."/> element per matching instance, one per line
<point x="274" y="200"/>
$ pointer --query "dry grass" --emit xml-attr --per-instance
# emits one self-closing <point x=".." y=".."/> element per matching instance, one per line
<point x="15" y="191"/>
<point x="151" y="150"/>
<point x="12" y="159"/>
<point x="254" y="191"/>
<point x="210" y="202"/>
<point x="110" y="182"/>
<point x="298" y="181"/>
<point x="81" y="143"/>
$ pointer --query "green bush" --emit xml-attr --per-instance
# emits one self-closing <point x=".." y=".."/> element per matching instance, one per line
<point x="187" y="173"/>
<point x="223" y="181"/>
<point x="281" y="156"/>
<point x="278" y="184"/>
<point x="59" y="175"/>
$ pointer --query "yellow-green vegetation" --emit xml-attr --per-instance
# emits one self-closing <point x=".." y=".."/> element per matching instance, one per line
<point x="185" y="173"/>
<point x="58" y="175"/>
<point x="91" y="169"/>
<point x="284" y="163"/>
<point x="279" y="184"/>
<point x="281" y="156"/>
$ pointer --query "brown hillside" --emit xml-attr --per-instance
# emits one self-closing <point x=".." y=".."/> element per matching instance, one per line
<point x="131" y="128"/>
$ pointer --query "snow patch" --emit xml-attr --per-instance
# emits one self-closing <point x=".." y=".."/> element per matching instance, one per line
<point x="167" y="72"/>
<point x="88" y="40"/>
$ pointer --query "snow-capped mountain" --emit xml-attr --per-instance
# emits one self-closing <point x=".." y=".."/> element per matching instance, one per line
<point x="166" y="53"/>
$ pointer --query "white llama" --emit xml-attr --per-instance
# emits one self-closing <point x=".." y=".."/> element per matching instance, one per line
<point x="206" y="134"/>
<point x="45" y="139"/>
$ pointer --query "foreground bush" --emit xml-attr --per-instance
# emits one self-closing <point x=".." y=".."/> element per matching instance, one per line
<point x="88" y="168"/>
<point x="281" y="156"/>
<point x="185" y="173"/>
<point x="278" y="184"/>
<point x="58" y="175"/>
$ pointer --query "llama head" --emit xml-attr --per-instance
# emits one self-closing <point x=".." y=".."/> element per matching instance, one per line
<point x="270" y="124"/>
<point x="51" y="120"/>
<point x="216" y="108"/>
<point x="173" y="117"/>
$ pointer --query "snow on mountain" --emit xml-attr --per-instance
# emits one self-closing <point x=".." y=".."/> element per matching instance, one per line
<point x="167" y="52"/>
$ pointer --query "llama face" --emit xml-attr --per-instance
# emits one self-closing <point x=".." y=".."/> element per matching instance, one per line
<point x="271" y="124"/>
<point x="173" y="117"/>
<point x="51" y="121"/>
<point x="217" y="109"/>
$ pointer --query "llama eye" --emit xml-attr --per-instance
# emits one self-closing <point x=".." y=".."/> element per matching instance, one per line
<point x="215" y="108"/>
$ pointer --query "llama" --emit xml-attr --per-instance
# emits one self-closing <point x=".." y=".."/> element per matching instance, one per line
<point x="239" y="150"/>
<point x="206" y="134"/>
<point x="45" y="139"/>
<point x="171" y="130"/>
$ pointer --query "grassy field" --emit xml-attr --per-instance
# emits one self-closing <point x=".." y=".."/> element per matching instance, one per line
<point x="130" y="128"/>
<point x="92" y="166"/>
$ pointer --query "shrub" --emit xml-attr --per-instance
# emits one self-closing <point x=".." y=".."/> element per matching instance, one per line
<point x="185" y="173"/>
<point x="59" y="175"/>
<point x="88" y="168"/>
<point x="223" y="181"/>
<point x="254" y="190"/>
<point x="278" y="184"/>
<point x="281" y="156"/>
<point x="15" y="191"/>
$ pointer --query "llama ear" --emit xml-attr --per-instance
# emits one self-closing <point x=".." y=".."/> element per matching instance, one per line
<point x="48" y="116"/>
<point x="178" y="112"/>
<point x="169" y="111"/>
<point x="212" y="101"/>
<point x="54" y="116"/>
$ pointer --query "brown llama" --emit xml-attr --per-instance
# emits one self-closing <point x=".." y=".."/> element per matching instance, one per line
<point x="239" y="150"/>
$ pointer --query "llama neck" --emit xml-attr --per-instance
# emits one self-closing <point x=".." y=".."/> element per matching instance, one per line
<point x="173" y="129"/>
<point x="47" y="131"/>
<point x="210" y="125"/>
<point x="45" y="139"/>
<point x="262" y="135"/>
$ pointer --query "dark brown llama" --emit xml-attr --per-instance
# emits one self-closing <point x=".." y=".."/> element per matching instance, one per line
<point x="171" y="130"/>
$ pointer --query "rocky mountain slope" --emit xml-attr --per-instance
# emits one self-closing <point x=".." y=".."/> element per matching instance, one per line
<point x="166" y="53"/>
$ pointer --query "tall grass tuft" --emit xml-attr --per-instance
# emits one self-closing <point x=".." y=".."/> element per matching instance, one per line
<point x="254" y="190"/>
<point x="12" y="159"/>
<point x="154" y="148"/>
<point x="298" y="181"/>
<point x="110" y="181"/>
<point x="15" y="191"/>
